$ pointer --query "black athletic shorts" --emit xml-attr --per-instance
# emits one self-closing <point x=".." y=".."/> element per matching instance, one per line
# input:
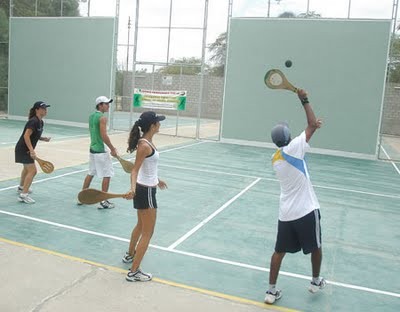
<point x="145" y="197"/>
<point x="23" y="157"/>
<point x="303" y="233"/>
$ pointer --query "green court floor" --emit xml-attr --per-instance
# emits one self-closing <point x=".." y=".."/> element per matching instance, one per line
<point x="11" y="130"/>
<point x="217" y="224"/>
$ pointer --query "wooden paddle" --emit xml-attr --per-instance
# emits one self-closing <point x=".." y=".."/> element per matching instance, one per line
<point x="92" y="196"/>
<point x="47" y="167"/>
<point x="126" y="164"/>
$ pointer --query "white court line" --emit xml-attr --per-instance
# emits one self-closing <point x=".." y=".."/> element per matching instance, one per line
<point x="221" y="172"/>
<point x="175" y="148"/>
<point x="46" y="179"/>
<point x="199" y="256"/>
<point x="275" y="180"/>
<point x="79" y="171"/>
<point x="55" y="139"/>
<point x="394" y="165"/>
<point x="210" y="217"/>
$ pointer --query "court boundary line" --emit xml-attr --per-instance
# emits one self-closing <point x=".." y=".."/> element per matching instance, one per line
<point x="391" y="161"/>
<point x="210" y="171"/>
<point x="195" y="255"/>
<point x="214" y="172"/>
<point x="276" y="180"/>
<point x="211" y="216"/>
<point x="53" y="140"/>
<point x="156" y="279"/>
<point x="86" y="169"/>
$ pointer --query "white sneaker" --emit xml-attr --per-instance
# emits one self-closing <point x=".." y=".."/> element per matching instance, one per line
<point x="316" y="287"/>
<point x="20" y="189"/>
<point x="25" y="198"/>
<point x="127" y="258"/>
<point x="105" y="204"/>
<point x="271" y="297"/>
<point x="138" y="276"/>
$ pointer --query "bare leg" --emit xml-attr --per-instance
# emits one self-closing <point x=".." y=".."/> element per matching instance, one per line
<point x="30" y="174"/>
<point x="316" y="260"/>
<point x="87" y="181"/>
<point x="105" y="185"/>
<point x="148" y="219"/>
<point x="135" y="236"/>
<point x="23" y="176"/>
<point x="275" y="266"/>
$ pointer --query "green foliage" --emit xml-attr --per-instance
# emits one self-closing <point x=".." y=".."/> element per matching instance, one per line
<point x="119" y="82"/>
<point x="45" y="7"/>
<point x="217" y="50"/>
<point x="309" y="14"/>
<point x="181" y="66"/>
<point x="3" y="26"/>
<point x="287" y="14"/>
<point x="394" y="64"/>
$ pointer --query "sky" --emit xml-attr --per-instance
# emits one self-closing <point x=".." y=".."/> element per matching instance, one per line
<point x="153" y="42"/>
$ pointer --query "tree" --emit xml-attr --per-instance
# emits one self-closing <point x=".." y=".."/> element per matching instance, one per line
<point x="188" y="66"/>
<point x="287" y="14"/>
<point x="309" y="14"/>
<point x="394" y="61"/>
<point x="45" y="7"/>
<point x="217" y="50"/>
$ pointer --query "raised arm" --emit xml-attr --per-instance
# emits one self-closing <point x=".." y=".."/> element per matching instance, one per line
<point x="313" y="123"/>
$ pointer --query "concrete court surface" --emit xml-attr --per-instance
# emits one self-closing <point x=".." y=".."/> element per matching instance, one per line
<point x="38" y="280"/>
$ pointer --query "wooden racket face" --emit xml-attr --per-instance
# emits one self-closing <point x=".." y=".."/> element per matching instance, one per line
<point x="46" y="166"/>
<point x="275" y="79"/>
<point x="126" y="165"/>
<point x="91" y="196"/>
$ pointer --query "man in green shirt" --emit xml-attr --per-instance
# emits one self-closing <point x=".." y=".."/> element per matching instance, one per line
<point x="100" y="163"/>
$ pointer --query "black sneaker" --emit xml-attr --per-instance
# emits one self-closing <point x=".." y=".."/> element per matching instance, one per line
<point x="271" y="297"/>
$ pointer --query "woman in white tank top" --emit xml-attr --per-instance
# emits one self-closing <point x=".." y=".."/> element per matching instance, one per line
<point x="144" y="183"/>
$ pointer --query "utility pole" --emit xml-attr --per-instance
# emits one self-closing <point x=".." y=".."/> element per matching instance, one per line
<point x="127" y="49"/>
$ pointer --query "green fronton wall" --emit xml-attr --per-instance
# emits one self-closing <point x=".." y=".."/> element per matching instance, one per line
<point x="341" y="63"/>
<point x="66" y="62"/>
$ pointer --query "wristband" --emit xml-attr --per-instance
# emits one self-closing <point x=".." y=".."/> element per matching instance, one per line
<point x="304" y="101"/>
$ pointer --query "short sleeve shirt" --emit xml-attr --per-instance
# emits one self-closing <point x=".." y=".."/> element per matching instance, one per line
<point x="297" y="197"/>
<point x="36" y="125"/>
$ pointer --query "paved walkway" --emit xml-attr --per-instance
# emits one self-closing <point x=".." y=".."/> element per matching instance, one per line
<point x="40" y="280"/>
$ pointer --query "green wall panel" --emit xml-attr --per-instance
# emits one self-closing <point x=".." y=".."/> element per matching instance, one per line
<point x="66" y="62"/>
<point x="341" y="63"/>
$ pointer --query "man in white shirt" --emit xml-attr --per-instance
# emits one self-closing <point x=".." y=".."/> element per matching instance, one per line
<point x="299" y="217"/>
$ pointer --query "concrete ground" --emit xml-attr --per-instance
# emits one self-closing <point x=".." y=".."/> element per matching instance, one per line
<point x="40" y="280"/>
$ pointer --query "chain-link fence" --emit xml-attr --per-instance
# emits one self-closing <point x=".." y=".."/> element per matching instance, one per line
<point x="174" y="27"/>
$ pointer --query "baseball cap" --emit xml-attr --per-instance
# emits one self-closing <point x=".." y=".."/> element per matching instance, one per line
<point x="148" y="118"/>
<point x="40" y="104"/>
<point x="103" y="99"/>
<point x="280" y="134"/>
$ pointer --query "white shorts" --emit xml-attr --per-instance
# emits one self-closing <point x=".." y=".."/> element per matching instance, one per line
<point x="100" y="165"/>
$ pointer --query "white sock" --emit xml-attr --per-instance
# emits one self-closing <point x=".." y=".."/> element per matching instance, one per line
<point x="316" y="280"/>
<point x="272" y="288"/>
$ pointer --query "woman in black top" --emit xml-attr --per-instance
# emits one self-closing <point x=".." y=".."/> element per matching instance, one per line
<point x="25" y="149"/>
